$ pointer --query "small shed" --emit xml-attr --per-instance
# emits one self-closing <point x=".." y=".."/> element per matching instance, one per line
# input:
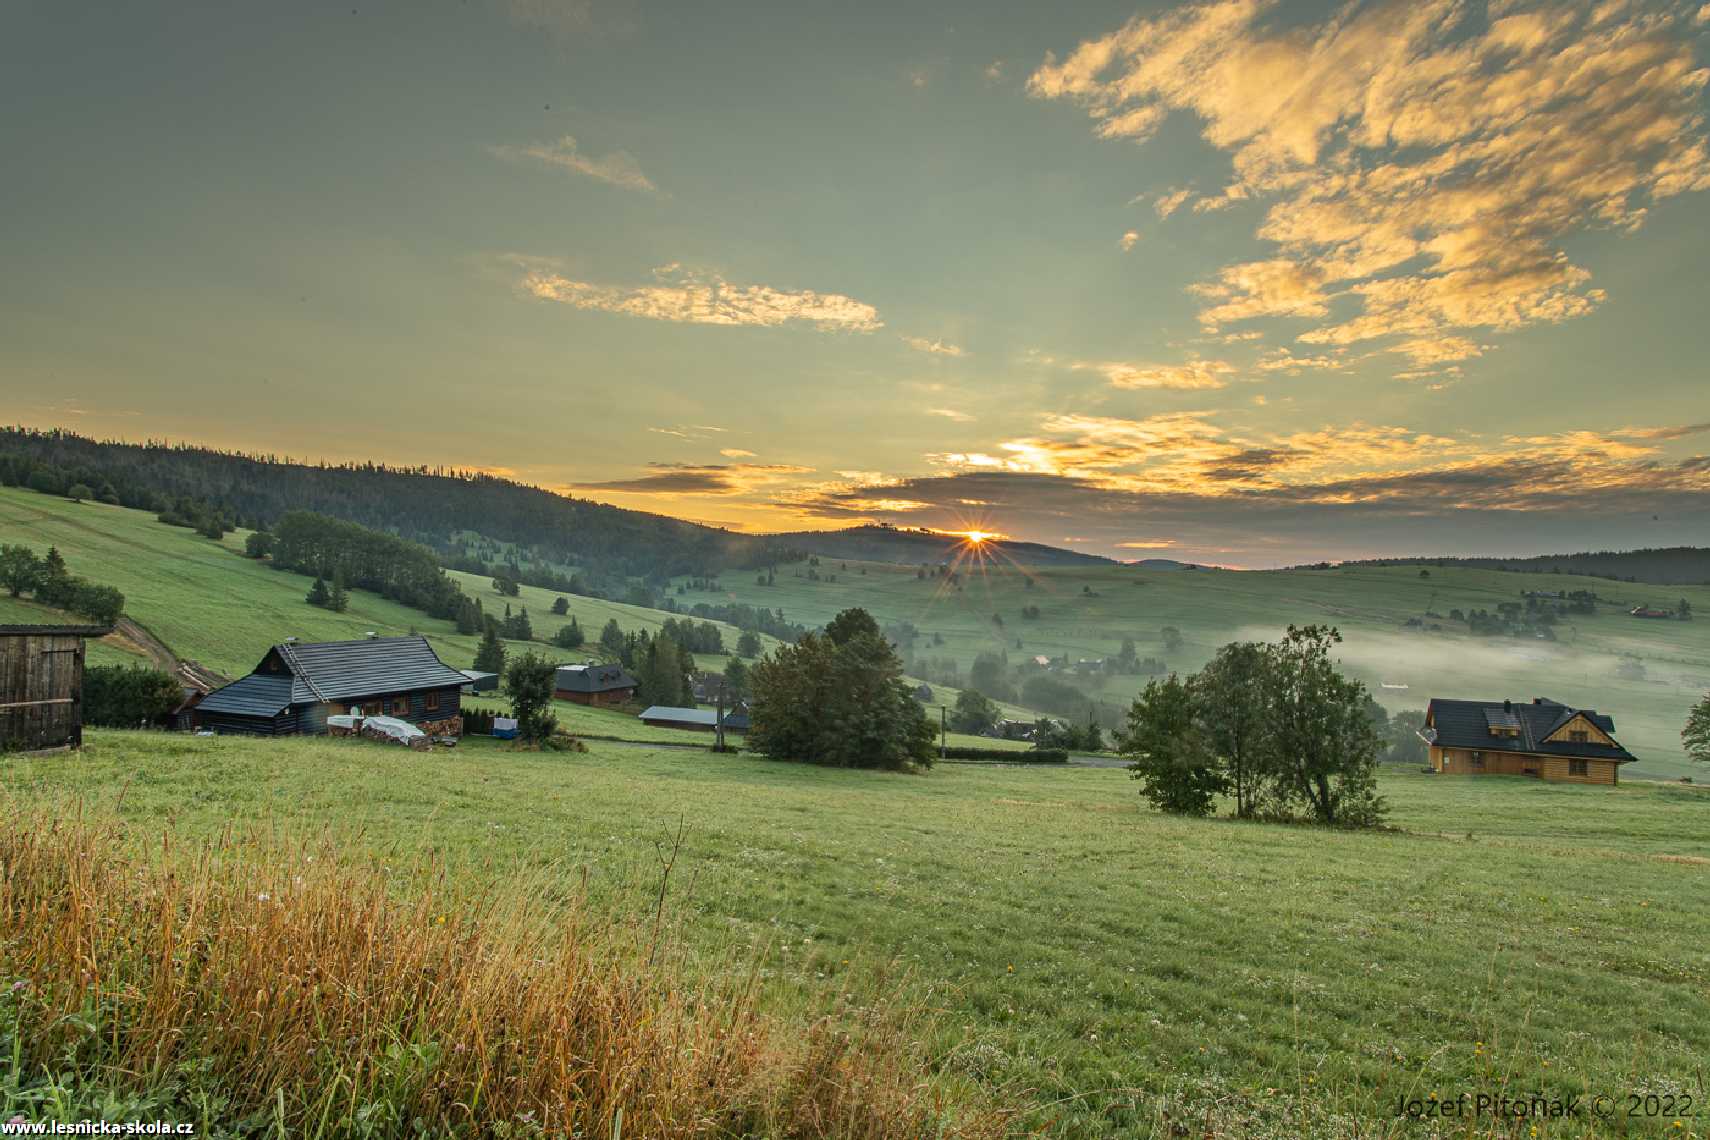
<point x="479" y="681"/>
<point x="41" y="685"/>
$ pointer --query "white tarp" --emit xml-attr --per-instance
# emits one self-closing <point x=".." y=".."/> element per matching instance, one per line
<point x="400" y="730"/>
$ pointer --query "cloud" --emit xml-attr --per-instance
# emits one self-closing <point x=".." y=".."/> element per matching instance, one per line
<point x="1195" y="374"/>
<point x="1420" y="161"/>
<point x="1129" y="240"/>
<point x="683" y="296"/>
<point x="1272" y="498"/>
<point x="616" y="169"/>
<point x="934" y="347"/>
<point x="994" y="71"/>
<point x="693" y="479"/>
<point x="736" y="453"/>
<point x="1170" y="201"/>
<point x="1152" y="544"/>
<point x="951" y="414"/>
<point x="1678" y="431"/>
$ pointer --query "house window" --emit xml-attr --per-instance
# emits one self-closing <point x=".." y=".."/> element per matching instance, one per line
<point x="433" y="702"/>
<point x="1476" y="759"/>
<point x="1579" y="736"/>
<point x="1579" y="768"/>
<point x="371" y="708"/>
<point x="401" y="706"/>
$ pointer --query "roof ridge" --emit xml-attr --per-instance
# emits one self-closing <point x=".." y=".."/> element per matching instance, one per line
<point x="299" y="670"/>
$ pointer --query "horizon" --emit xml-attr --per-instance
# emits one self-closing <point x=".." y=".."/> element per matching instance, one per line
<point x="994" y="537"/>
<point x="1233" y="284"/>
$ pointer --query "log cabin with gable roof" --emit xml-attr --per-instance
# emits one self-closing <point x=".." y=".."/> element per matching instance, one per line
<point x="297" y="686"/>
<point x="1544" y="739"/>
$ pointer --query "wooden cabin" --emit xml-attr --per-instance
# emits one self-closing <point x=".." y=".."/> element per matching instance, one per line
<point x="296" y="687"/>
<point x="594" y="684"/>
<point x="1543" y="739"/>
<point x="41" y="685"/>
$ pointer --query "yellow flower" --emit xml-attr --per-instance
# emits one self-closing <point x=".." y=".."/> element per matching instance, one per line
<point x="1012" y="969"/>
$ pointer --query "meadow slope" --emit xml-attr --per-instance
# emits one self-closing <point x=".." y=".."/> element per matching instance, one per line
<point x="1120" y="970"/>
<point x="1085" y="612"/>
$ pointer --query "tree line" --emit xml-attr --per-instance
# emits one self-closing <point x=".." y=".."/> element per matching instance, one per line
<point x="49" y="581"/>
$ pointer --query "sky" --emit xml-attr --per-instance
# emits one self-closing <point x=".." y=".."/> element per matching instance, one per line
<point x="1237" y="282"/>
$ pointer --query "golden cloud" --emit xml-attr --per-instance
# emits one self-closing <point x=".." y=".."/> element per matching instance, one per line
<point x="1420" y="159"/>
<point x="680" y="295"/>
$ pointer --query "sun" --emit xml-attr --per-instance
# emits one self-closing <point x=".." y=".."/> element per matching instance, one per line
<point x="976" y="536"/>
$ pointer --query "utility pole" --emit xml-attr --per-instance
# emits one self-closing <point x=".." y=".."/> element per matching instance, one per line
<point x="718" y="720"/>
<point x="943" y="730"/>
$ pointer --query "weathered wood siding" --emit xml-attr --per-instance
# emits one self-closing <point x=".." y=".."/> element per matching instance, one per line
<point x="283" y="724"/>
<point x="1564" y="734"/>
<point x="609" y="697"/>
<point x="448" y="701"/>
<point x="41" y="691"/>
<point x="1459" y="762"/>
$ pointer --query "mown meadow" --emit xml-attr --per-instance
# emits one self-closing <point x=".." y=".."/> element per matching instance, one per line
<point x="1112" y="970"/>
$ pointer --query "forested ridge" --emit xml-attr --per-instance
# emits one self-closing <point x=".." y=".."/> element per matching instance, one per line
<point x="434" y="506"/>
<point x="1665" y="565"/>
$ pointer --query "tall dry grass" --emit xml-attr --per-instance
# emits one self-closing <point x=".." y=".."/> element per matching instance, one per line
<point x="332" y="997"/>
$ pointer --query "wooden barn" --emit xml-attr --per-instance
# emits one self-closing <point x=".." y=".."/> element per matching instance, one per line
<point x="296" y="687"/>
<point x="1543" y="739"/>
<point x="41" y="685"/>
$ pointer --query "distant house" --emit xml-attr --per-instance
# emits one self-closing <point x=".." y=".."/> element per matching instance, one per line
<point x="1544" y="739"/>
<point x="1650" y="612"/>
<point x="697" y="720"/>
<point x="1013" y="730"/>
<point x="923" y="693"/>
<point x="594" y="684"/>
<point x="41" y="685"/>
<point x="297" y="686"/>
<point x="477" y="681"/>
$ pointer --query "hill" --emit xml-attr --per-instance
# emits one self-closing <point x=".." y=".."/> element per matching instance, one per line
<point x="1121" y="969"/>
<point x="880" y="543"/>
<point x="1665" y="566"/>
<point x="462" y="515"/>
<point x="191" y="598"/>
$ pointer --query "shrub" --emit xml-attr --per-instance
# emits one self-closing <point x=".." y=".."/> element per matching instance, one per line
<point x="125" y="696"/>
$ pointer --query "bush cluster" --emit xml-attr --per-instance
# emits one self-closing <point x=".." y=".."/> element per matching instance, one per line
<point x="49" y="581"/>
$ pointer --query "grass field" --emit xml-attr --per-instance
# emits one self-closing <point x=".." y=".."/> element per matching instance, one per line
<point x="1121" y="971"/>
<point x="1368" y="604"/>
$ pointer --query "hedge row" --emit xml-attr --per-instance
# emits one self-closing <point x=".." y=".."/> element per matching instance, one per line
<point x="1014" y="755"/>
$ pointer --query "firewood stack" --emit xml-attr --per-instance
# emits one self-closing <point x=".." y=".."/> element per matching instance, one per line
<point x="450" y="726"/>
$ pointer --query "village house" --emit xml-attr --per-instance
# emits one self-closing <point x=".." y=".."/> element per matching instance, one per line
<point x="594" y="684"/>
<point x="1544" y="739"/>
<point x="297" y="686"/>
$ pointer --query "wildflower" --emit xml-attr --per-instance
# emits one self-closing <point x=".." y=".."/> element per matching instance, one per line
<point x="1012" y="969"/>
<point x="263" y="896"/>
<point x="20" y="984"/>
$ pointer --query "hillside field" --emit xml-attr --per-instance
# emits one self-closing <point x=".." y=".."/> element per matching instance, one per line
<point x="1117" y="970"/>
<point x="1368" y="604"/>
<point x="209" y="603"/>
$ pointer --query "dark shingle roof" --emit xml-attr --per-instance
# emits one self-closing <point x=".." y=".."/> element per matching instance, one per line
<point x="340" y="670"/>
<point x="680" y="716"/>
<point x="593" y="678"/>
<point x="1468" y="724"/>
<point x="255" y="695"/>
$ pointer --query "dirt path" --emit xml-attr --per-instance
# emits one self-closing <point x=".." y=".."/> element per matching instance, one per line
<point x="133" y="637"/>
